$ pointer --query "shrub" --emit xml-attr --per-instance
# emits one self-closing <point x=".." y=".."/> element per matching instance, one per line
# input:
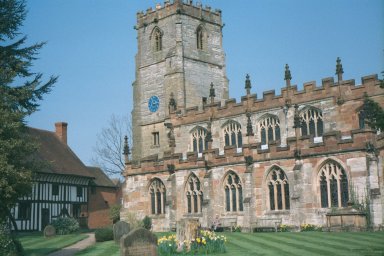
<point x="103" y="234"/>
<point x="114" y="213"/>
<point x="65" y="225"/>
<point x="147" y="223"/>
<point x="9" y="245"/>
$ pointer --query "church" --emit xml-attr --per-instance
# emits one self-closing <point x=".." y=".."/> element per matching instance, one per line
<point x="296" y="157"/>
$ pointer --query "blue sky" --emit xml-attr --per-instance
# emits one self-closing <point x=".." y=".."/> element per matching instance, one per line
<point x="91" y="46"/>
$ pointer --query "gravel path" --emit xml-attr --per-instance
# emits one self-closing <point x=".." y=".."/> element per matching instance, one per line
<point x="72" y="249"/>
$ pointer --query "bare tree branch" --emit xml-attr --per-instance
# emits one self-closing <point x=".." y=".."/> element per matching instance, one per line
<point x="110" y="145"/>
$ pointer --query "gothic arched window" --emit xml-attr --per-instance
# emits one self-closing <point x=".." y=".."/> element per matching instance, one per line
<point x="269" y="128"/>
<point x="233" y="190"/>
<point x="278" y="190"/>
<point x="200" y="38"/>
<point x="333" y="183"/>
<point x="194" y="194"/>
<point x="232" y="134"/>
<point x="157" y="38"/>
<point x="311" y="122"/>
<point x="157" y="193"/>
<point x="199" y="139"/>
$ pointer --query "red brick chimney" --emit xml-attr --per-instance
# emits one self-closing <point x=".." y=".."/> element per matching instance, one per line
<point x="61" y="131"/>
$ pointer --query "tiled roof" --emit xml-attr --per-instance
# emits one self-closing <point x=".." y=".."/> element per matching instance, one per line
<point x="101" y="179"/>
<point x="59" y="157"/>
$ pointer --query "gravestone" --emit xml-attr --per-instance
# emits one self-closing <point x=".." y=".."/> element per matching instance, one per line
<point x="120" y="228"/>
<point x="138" y="242"/>
<point x="49" y="231"/>
<point x="187" y="229"/>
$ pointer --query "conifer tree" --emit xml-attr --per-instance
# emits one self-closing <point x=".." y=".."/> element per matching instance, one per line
<point x="20" y="93"/>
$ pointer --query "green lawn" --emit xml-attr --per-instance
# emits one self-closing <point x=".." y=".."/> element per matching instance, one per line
<point x="304" y="243"/>
<point x="37" y="244"/>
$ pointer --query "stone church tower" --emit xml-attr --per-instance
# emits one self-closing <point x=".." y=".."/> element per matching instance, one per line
<point x="180" y="54"/>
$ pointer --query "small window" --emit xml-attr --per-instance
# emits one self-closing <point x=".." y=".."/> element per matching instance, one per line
<point x="79" y="191"/>
<point x="361" y="119"/>
<point x="199" y="38"/>
<point x="156" y="138"/>
<point x="25" y="211"/>
<point x="76" y="210"/>
<point x="55" y="189"/>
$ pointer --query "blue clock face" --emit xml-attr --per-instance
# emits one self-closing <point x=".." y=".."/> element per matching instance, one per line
<point x="153" y="103"/>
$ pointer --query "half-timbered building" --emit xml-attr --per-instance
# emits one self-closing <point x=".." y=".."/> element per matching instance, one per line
<point x="63" y="187"/>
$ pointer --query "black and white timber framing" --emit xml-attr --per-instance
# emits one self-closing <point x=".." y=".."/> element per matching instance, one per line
<point x="52" y="196"/>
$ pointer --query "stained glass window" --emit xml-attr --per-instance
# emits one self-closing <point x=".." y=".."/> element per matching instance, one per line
<point x="233" y="192"/>
<point x="198" y="138"/>
<point x="278" y="189"/>
<point x="157" y="193"/>
<point x="232" y="134"/>
<point x="194" y="194"/>
<point x="333" y="182"/>
<point x="269" y="127"/>
<point x="311" y="122"/>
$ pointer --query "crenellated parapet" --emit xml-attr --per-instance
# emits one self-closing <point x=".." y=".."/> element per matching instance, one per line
<point x="310" y="93"/>
<point x="332" y="143"/>
<point x="169" y="8"/>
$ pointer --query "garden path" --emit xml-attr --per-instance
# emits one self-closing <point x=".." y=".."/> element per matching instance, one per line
<point x="72" y="249"/>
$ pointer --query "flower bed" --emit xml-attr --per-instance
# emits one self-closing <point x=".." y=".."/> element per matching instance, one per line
<point x="206" y="243"/>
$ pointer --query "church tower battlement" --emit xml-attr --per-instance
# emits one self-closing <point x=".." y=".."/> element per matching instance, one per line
<point x="180" y="54"/>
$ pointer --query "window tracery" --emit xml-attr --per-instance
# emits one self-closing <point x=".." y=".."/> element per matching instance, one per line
<point x="233" y="193"/>
<point x="278" y="190"/>
<point x="333" y="184"/>
<point x="194" y="195"/>
<point x="157" y="193"/>
<point x="232" y="134"/>
<point x="200" y="38"/>
<point x="269" y="128"/>
<point x="157" y="38"/>
<point x="199" y="139"/>
<point x="311" y="122"/>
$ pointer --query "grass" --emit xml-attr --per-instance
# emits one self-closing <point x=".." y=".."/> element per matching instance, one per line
<point x="288" y="243"/>
<point x="37" y="244"/>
